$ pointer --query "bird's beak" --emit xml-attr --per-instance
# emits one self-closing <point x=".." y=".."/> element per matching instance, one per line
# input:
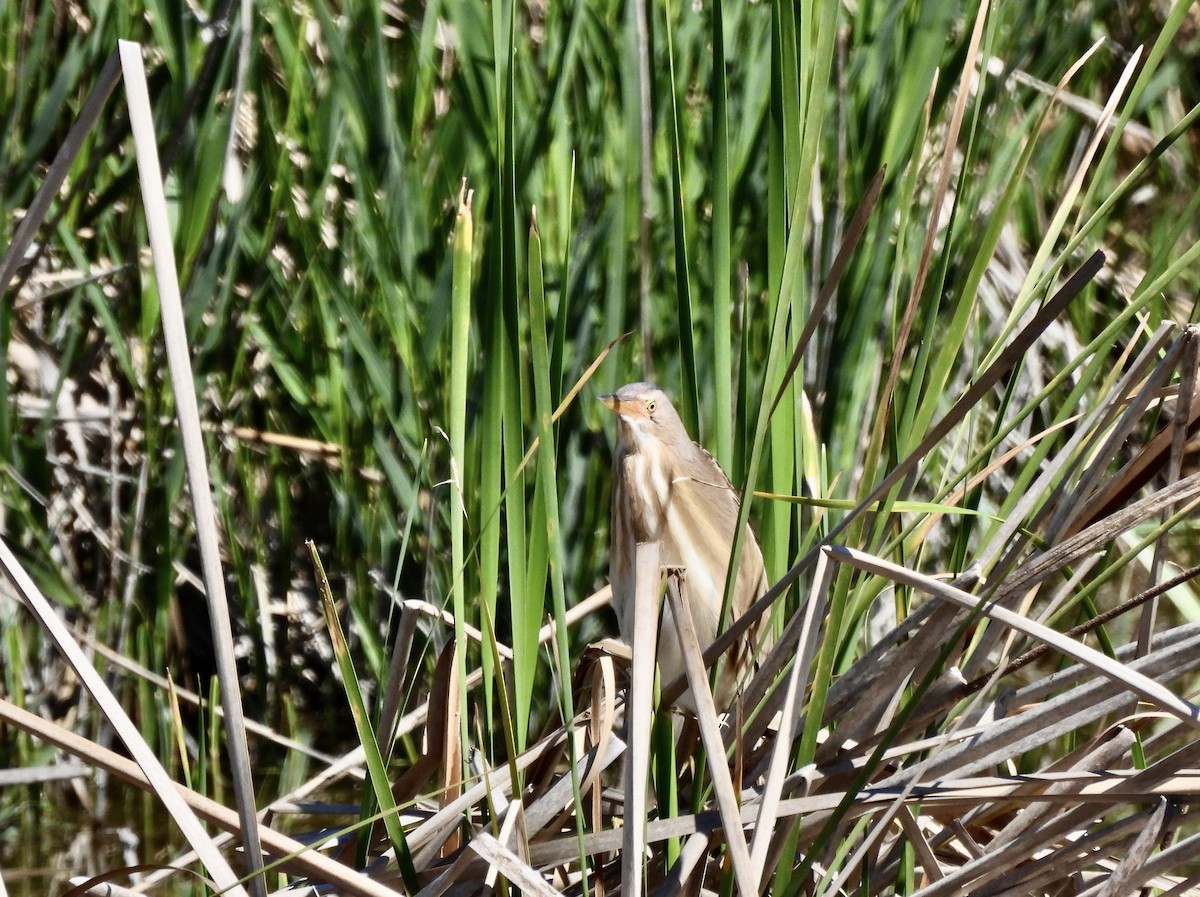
<point x="626" y="410"/>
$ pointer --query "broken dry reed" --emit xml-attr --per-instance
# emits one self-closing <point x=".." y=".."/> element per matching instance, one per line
<point x="158" y="229"/>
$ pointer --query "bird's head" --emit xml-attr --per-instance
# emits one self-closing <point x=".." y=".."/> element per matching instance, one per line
<point x="646" y="419"/>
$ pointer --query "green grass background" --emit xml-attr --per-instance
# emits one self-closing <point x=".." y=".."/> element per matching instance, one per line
<point x="314" y="166"/>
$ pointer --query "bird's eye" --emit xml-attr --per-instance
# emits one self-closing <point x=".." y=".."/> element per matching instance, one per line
<point x="650" y="406"/>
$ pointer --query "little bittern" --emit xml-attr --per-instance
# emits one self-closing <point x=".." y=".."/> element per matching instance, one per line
<point x="670" y="490"/>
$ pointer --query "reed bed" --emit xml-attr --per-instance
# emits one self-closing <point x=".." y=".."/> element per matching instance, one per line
<point x="305" y="488"/>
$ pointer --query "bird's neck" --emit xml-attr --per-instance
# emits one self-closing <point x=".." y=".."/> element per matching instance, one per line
<point x="645" y="480"/>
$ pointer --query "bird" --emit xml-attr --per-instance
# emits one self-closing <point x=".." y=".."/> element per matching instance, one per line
<point x="668" y="489"/>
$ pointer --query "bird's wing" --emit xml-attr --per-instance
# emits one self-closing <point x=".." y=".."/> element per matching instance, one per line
<point x="698" y="466"/>
<point x="699" y="472"/>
